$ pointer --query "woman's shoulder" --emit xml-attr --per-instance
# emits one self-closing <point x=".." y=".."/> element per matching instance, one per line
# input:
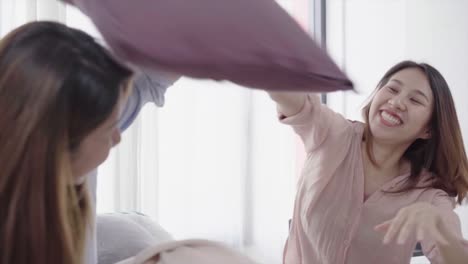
<point x="433" y="195"/>
<point x="357" y="128"/>
<point x="357" y="125"/>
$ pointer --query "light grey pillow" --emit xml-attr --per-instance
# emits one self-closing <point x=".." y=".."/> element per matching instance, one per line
<point x="123" y="235"/>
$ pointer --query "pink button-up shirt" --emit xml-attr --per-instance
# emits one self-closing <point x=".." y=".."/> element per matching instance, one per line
<point x="332" y="224"/>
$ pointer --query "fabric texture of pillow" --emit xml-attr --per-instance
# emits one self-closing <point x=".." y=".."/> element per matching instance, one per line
<point x="254" y="43"/>
<point x="123" y="235"/>
<point x="194" y="251"/>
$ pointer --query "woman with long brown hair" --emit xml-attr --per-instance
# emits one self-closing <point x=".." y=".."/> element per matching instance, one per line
<point x="60" y="100"/>
<point x="369" y="192"/>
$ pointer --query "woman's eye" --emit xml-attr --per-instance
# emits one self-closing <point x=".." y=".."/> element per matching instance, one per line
<point x="416" y="101"/>
<point x="392" y="90"/>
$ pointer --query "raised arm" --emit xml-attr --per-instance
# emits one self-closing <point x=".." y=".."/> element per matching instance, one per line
<point x="289" y="103"/>
<point x="313" y="121"/>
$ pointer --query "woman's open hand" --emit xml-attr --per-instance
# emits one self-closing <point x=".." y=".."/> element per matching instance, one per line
<point x="420" y="219"/>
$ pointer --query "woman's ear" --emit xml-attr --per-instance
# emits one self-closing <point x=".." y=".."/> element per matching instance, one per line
<point x="426" y="134"/>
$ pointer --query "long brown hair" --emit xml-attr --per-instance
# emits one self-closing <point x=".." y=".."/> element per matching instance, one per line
<point x="56" y="86"/>
<point x="443" y="154"/>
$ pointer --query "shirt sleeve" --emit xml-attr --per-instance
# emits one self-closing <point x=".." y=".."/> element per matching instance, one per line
<point x="316" y="122"/>
<point x="446" y="204"/>
<point x="147" y="87"/>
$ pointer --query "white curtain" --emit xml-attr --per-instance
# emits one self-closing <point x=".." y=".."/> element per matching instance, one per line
<point x="213" y="163"/>
<point x="14" y="13"/>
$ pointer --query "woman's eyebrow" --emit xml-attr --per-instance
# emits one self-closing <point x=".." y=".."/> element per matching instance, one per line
<point x="397" y="81"/>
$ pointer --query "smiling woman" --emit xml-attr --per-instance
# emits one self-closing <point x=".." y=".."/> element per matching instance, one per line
<point x="418" y="103"/>
<point x="400" y="173"/>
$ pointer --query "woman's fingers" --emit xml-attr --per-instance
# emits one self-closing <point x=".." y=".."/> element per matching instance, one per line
<point x="406" y="229"/>
<point x="394" y="229"/>
<point x="422" y="222"/>
<point x="383" y="227"/>
<point x="420" y="234"/>
<point x="438" y="237"/>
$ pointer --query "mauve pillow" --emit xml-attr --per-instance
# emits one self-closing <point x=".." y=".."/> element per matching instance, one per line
<point x="254" y="43"/>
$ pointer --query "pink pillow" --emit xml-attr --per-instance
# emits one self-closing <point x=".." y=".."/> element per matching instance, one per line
<point x="254" y="43"/>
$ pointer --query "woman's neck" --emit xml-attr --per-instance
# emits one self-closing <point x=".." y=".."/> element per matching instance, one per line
<point x="389" y="157"/>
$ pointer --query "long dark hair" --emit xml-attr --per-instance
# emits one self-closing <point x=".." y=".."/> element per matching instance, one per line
<point x="56" y="86"/>
<point x="443" y="154"/>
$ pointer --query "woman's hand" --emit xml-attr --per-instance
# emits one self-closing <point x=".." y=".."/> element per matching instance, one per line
<point x="289" y="103"/>
<point x="426" y="222"/>
<point x="421" y="219"/>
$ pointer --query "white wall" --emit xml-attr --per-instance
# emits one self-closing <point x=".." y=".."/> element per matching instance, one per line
<point x="367" y="37"/>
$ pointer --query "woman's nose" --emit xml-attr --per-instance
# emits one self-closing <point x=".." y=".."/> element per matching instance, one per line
<point x="398" y="103"/>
